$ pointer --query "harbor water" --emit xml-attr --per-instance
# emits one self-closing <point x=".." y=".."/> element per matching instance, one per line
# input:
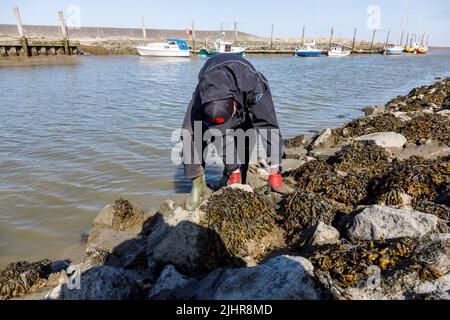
<point x="76" y="133"/>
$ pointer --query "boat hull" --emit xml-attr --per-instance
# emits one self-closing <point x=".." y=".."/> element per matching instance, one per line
<point x="422" y="51"/>
<point x="206" y="54"/>
<point x="146" y="52"/>
<point x="307" y="53"/>
<point x="393" y="51"/>
<point x="334" y="54"/>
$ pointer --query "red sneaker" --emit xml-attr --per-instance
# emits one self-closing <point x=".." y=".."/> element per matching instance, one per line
<point x="235" y="178"/>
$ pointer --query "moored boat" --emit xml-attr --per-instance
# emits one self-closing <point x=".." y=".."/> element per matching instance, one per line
<point x="308" y="50"/>
<point x="422" y="50"/>
<point x="393" y="51"/>
<point x="338" y="51"/>
<point x="221" y="46"/>
<point x="169" y="48"/>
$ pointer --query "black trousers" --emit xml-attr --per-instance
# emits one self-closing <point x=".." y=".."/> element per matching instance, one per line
<point x="240" y="160"/>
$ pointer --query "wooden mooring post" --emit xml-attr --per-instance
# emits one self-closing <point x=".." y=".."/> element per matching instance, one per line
<point x="64" y="32"/>
<point x="144" y="31"/>
<point x="303" y="36"/>
<point x="354" y="39"/>
<point x="373" y="39"/>
<point x="271" y="36"/>
<point x="23" y="39"/>
<point x="331" y="36"/>
<point x="193" y="34"/>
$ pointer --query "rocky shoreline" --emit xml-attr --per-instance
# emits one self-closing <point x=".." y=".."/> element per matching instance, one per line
<point x="369" y="219"/>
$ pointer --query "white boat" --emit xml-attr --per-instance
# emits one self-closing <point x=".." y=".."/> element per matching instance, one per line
<point x="338" y="51"/>
<point x="169" y="48"/>
<point x="222" y="47"/>
<point x="308" y="50"/>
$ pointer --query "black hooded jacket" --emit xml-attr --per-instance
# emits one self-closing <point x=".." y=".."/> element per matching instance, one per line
<point x="230" y="76"/>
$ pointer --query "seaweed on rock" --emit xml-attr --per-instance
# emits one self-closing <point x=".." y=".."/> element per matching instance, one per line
<point x="348" y="264"/>
<point x="428" y="126"/>
<point x="424" y="180"/>
<point x="19" y="277"/>
<point x="346" y="177"/>
<point x="238" y="217"/>
<point x="302" y="210"/>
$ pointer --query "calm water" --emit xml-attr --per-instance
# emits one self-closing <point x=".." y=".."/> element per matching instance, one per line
<point x="77" y="133"/>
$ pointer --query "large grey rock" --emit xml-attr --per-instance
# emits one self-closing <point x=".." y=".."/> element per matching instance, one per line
<point x="170" y="279"/>
<point x="324" y="140"/>
<point x="116" y="234"/>
<point x="281" y="278"/>
<point x="191" y="248"/>
<point x="292" y="164"/>
<point x="385" y="139"/>
<point x="321" y="234"/>
<point x="437" y="289"/>
<point x="375" y="222"/>
<point x="104" y="283"/>
<point x="168" y="217"/>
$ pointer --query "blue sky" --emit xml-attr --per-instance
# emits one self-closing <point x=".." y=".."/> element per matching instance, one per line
<point x="255" y="17"/>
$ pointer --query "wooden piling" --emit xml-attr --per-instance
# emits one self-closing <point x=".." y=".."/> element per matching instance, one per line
<point x="23" y="39"/>
<point x="373" y="39"/>
<point x="65" y="33"/>
<point x="303" y="36"/>
<point x="193" y="34"/>
<point x="19" y="22"/>
<point x="271" y="36"/>
<point x="331" y="36"/>
<point x="144" y="31"/>
<point x="354" y="39"/>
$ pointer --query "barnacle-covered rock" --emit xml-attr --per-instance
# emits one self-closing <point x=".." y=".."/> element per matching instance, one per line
<point x="238" y="217"/>
<point x="18" y="278"/>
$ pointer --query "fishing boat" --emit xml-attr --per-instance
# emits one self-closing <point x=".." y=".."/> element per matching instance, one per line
<point x="221" y="46"/>
<point x="308" y="50"/>
<point x="169" y="48"/>
<point x="393" y="51"/>
<point x="338" y="51"/>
